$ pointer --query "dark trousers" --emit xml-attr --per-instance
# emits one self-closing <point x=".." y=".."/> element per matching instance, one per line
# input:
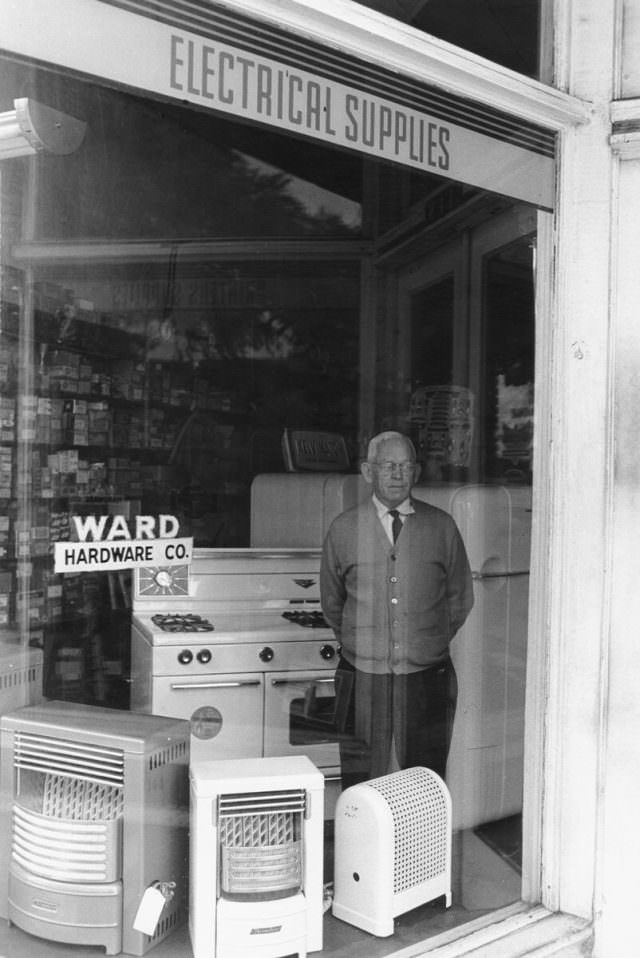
<point x="415" y="712"/>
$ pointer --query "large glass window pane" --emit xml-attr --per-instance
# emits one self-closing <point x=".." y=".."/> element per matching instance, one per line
<point x="505" y="31"/>
<point x="207" y="322"/>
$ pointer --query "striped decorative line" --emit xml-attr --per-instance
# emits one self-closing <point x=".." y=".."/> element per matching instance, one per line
<point x="201" y="18"/>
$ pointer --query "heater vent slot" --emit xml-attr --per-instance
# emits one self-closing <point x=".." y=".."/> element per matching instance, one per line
<point x="24" y="676"/>
<point x="67" y="758"/>
<point x="260" y="844"/>
<point x="256" y="802"/>
<point x="420" y="812"/>
<point x="167" y="756"/>
<point x="166" y="925"/>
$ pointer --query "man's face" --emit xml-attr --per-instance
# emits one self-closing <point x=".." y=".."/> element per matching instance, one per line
<point x="393" y="472"/>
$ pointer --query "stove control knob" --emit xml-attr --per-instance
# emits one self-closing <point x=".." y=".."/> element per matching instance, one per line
<point x="327" y="652"/>
<point x="266" y="654"/>
<point x="185" y="656"/>
<point x="204" y="656"/>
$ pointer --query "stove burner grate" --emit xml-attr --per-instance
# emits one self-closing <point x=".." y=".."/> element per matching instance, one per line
<point x="179" y="622"/>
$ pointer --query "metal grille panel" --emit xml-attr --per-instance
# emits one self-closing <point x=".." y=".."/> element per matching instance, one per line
<point x="261" y="851"/>
<point x="258" y="831"/>
<point x="417" y="799"/>
<point x="262" y="802"/>
<point x="79" y="800"/>
<point x="44" y="754"/>
<point x="68" y="830"/>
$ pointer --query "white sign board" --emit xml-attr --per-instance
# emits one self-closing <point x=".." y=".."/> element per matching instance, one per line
<point x="142" y="53"/>
<point x="109" y="556"/>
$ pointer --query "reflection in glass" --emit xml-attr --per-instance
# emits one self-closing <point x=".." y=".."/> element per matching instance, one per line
<point x="505" y="31"/>
<point x="178" y="293"/>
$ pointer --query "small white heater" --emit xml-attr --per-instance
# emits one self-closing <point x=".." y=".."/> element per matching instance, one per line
<point x="256" y="858"/>
<point x="392" y="848"/>
<point x="93" y="812"/>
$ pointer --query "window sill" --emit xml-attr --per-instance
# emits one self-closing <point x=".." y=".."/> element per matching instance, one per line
<point x="514" y="932"/>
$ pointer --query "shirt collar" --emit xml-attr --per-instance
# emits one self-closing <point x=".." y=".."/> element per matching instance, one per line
<point x="404" y="508"/>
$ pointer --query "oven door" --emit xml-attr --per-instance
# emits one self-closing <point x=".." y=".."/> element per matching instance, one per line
<point x="225" y="711"/>
<point x="300" y="716"/>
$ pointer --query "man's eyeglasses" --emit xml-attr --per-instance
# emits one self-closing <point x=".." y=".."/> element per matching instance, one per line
<point x="388" y="468"/>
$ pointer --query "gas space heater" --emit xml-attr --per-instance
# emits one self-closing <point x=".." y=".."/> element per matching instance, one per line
<point x="256" y="858"/>
<point x="392" y="848"/>
<point x="94" y="810"/>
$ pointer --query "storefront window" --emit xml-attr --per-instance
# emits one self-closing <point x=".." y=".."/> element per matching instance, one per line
<point x="195" y="311"/>
<point x="506" y="31"/>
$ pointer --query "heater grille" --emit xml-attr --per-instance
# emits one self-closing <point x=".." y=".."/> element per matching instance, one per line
<point x="67" y="817"/>
<point x="257" y="802"/>
<point x="79" y="760"/>
<point x="66" y="850"/>
<point x="260" y="844"/>
<point x="418" y="804"/>
<point x="80" y="800"/>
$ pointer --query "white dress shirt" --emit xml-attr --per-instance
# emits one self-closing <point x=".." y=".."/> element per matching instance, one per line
<point x="404" y="509"/>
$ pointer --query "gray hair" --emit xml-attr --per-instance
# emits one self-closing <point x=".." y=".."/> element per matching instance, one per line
<point x="376" y="441"/>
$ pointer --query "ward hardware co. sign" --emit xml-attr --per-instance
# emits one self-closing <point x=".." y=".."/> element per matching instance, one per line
<point x="108" y="544"/>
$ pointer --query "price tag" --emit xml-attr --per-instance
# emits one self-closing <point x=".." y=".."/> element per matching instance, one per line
<point x="149" y="910"/>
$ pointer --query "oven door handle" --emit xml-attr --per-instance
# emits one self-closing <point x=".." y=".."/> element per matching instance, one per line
<point x="176" y="686"/>
<point x="302" y="681"/>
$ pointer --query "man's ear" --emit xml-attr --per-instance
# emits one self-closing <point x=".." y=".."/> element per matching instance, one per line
<point x="367" y="472"/>
<point x="417" y="472"/>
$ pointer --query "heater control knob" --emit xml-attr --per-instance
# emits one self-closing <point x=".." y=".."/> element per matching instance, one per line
<point x="204" y="656"/>
<point x="327" y="652"/>
<point x="185" y="656"/>
<point x="266" y="654"/>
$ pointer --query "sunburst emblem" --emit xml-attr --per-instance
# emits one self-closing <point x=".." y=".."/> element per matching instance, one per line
<point x="163" y="580"/>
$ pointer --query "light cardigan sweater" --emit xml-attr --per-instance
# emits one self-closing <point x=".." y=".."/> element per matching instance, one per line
<point x="395" y="608"/>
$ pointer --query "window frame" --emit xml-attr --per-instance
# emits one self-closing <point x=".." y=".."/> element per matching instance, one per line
<point x="356" y="31"/>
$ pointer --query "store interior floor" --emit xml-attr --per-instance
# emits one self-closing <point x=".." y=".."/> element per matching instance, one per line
<point x="486" y="876"/>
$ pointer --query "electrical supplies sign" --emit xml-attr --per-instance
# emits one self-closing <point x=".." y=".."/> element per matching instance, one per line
<point x="108" y="544"/>
<point x="96" y="37"/>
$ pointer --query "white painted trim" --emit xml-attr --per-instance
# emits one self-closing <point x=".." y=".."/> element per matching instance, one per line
<point x="535" y="932"/>
<point x="573" y="490"/>
<point x="537" y="689"/>
<point x="626" y="143"/>
<point x="626" y="111"/>
<point x="618" y="833"/>
<point x="363" y="33"/>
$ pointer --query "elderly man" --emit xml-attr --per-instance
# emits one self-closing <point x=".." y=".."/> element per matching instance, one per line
<point x="395" y="587"/>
